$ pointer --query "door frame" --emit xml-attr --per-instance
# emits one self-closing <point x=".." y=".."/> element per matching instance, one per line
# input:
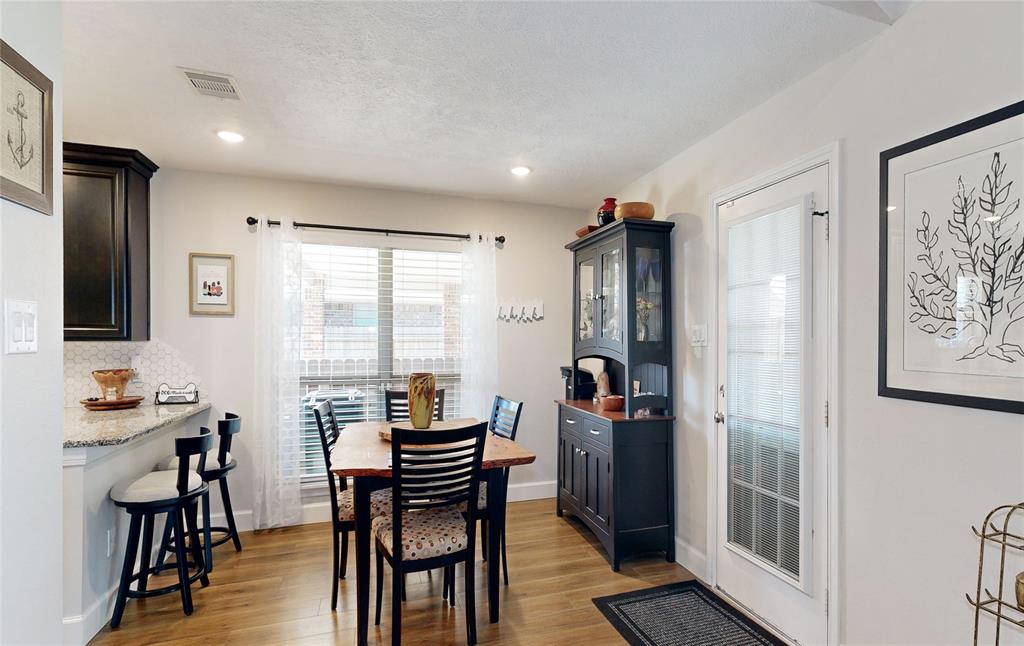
<point x="827" y="155"/>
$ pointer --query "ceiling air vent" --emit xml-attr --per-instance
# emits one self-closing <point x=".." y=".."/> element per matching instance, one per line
<point x="218" y="85"/>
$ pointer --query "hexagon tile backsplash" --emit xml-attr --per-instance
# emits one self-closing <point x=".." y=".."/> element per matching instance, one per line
<point x="159" y="362"/>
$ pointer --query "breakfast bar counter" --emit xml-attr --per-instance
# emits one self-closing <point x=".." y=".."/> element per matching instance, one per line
<point x="86" y="428"/>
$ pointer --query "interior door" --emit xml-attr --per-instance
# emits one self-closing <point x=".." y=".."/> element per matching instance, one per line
<point x="772" y="529"/>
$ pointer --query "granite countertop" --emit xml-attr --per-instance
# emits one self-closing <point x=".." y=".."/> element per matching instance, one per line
<point x="84" y="428"/>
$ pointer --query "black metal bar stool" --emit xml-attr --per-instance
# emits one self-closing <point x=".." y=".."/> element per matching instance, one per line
<point x="226" y="429"/>
<point x="175" y="493"/>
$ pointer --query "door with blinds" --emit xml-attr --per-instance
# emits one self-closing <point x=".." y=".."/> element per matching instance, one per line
<point x="772" y="390"/>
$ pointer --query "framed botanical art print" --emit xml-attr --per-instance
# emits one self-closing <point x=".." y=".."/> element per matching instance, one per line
<point x="951" y="285"/>
<point x="211" y="284"/>
<point x="26" y="133"/>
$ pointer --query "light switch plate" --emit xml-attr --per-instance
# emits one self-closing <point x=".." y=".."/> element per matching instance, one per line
<point x="699" y="336"/>
<point x="21" y="326"/>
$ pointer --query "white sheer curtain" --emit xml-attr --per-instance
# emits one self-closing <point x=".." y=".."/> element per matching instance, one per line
<point x="277" y="406"/>
<point x="479" y="326"/>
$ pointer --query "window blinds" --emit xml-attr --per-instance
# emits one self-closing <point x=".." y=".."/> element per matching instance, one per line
<point x="371" y="316"/>
<point x="764" y="385"/>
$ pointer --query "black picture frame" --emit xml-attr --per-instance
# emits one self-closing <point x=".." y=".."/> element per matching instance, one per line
<point x="884" y="390"/>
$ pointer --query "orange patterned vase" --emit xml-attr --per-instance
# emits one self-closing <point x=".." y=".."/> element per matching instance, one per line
<point x="421" y="399"/>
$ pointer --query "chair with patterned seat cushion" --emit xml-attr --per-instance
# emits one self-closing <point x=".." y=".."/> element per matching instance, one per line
<point x="504" y="422"/>
<point x="342" y="502"/>
<point x="175" y="493"/>
<point x="433" y="473"/>
<point x="216" y="470"/>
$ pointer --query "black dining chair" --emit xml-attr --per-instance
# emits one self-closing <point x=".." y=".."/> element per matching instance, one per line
<point x="433" y="473"/>
<point x="504" y="422"/>
<point x="175" y="493"/>
<point x="343" y="510"/>
<point x="396" y="405"/>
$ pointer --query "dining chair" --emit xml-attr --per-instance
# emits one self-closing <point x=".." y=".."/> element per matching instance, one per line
<point x="396" y="405"/>
<point x="433" y="473"/>
<point x="343" y="510"/>
<point x="504" y="422"/>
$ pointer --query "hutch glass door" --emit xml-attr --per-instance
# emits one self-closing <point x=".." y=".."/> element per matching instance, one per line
<point x="585" y="297"/>
<point x="611" y="297"/>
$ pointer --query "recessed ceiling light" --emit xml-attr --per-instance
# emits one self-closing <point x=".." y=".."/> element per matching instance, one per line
<point x="890" y="208"/>
<point x="231" y="137"/>
<point x="521" y="171"/>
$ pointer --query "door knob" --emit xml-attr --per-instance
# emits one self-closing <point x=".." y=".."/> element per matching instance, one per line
<point x="719" y="417"/>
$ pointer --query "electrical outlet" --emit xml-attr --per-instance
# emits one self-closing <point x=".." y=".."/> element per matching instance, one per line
<point x="110" y="543"/>
<point x="137" y="368"/>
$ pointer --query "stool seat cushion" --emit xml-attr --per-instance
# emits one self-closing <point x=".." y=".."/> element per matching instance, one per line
<point x="426" y="533"/>
<point x="170" y="463"/>
<point x="380" y="504"/>
<point x="154" y="486"/>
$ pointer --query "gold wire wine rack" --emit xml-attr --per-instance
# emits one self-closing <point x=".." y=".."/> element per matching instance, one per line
<point x="1003" y="608"/>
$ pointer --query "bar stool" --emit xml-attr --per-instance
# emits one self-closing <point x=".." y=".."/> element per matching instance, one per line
<point x="226" y="429"/>
<point x="175" y="493"/>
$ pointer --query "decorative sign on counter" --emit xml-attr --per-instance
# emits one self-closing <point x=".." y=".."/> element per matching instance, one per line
<point x="169" y="395"/>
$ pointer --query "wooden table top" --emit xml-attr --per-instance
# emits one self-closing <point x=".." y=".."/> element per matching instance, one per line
<point x="360" y="451"/>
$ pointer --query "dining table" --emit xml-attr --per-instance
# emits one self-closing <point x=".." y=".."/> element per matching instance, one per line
<point x="363" y="454"/>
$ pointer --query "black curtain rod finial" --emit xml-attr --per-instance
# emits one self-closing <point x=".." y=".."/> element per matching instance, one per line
<point x="251" y="221"/>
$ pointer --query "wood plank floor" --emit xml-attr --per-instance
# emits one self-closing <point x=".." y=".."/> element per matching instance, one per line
<point x="278" y="591"/>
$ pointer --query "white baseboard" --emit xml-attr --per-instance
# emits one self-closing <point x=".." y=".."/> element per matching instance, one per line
<point x="692" y="559"/>
<point x="79" y="629"/>
<point x="320" y="511"/>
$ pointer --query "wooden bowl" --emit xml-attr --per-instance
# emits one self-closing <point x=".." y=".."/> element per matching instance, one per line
<point x="116" y="378"/>
<point x="634" y="210"/>
<point x="612" y="403"/>
<point x="590" y="228"/>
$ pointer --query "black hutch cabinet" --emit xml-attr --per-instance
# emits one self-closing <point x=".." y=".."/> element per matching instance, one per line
<point x="615" y="469"/>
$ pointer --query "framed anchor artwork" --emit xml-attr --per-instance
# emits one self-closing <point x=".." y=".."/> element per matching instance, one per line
<point x="26" y="132"/>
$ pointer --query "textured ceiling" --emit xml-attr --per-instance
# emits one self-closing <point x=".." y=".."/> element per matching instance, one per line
<point x="439" y="97"/>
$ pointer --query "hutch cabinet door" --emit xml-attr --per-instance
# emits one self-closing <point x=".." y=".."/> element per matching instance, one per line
<point x="586" y="300"/>
<point x="597" y="484"/>
<point x="570" y="456"/>
<point x="610" y="258"/>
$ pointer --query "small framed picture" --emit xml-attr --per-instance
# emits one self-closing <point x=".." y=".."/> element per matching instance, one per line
<point x="211" y="284"/>
<point x="26" y="133"/>
<point x="636" y="387"/>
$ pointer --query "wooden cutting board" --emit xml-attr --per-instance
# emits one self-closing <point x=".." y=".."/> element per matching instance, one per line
<point x="112" y="404"/>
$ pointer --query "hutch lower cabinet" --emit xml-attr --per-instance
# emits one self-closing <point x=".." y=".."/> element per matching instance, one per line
<point x="615" y="474"/>
<point x="615" y="469"/>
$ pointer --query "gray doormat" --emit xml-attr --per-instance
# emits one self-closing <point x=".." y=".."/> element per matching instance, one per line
<point x="681" y="614"/>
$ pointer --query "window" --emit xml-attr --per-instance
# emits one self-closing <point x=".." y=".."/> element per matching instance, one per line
<point x="371" y="316"/>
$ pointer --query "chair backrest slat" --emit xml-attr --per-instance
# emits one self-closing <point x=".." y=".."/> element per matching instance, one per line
<point x="185" y="448"/>
<point x="505" y="417"/>
<point x="226" y="429"/>
<point x="396" y="405"/>
<point x="434" y="469"/>
<point x="327" y="425"/>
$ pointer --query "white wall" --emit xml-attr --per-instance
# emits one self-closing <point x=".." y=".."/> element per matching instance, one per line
<point x="914" y="476"/>
<point x="31" y="261"/>
<point x="205" y="212"/>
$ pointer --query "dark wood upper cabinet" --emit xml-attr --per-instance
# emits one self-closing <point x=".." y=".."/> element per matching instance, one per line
<point x="106" y="243"/>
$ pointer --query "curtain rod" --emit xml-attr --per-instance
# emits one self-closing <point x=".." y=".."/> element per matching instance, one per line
<point x="251" y="221"/>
